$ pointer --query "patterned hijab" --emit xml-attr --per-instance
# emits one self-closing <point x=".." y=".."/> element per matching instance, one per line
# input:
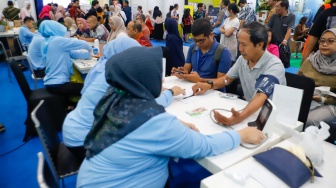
<point x="324" y="64"/>
<point x="119" y="25"/>
<point x="134" y="76"/>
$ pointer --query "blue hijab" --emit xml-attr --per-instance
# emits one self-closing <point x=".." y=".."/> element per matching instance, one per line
<point x="50" y="29"/>
<point x="111" y="48"/>
<point x="135" y="79"/>
<point x="175" y="46"/>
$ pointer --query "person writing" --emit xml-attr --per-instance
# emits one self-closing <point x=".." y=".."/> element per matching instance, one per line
<point x="255" y="67"/>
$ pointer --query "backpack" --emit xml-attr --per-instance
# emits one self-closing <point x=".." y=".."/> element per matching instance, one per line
<point x="218" y="53"/>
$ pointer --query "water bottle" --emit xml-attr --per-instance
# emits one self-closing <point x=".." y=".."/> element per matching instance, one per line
<point x="95" y="49"/>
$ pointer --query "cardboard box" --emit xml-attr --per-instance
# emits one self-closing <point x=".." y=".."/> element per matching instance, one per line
<point x="17" y="23"/>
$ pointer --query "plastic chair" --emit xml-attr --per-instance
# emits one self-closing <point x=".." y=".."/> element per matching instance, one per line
<point x="56" y="103"/>
<point x="61" y="161"/>
<point x="45" y="177"/>
<point x="34" y="77"/>
<point x="308" y="87"/>
<point x="6" y="55"/>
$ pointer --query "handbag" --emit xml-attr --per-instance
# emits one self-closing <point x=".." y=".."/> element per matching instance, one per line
<point x="285" y="54"/>
<point x="286" y="166"/>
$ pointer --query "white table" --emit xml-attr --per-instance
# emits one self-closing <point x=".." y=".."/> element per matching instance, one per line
<point x="84" y="66"/>
<point x="327" y="169"/>
<point x="211" y="100"/>
<point x="10" y="33"/>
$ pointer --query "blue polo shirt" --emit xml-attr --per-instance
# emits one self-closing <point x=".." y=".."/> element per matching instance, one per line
<point x="25" y="36"/>
<point x="204" y="64"/>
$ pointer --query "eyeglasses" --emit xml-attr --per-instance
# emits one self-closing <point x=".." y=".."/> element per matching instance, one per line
<point x="328" y="41"/>
<point x="200" y="41"/>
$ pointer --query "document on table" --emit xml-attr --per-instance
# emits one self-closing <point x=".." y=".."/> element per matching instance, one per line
<point x="287" y="101"/>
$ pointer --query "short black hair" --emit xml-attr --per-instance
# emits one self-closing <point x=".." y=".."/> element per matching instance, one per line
<point x="140" y="7"/>
<point x="27" y="19"/>
<point x="99" y="9"/>
<point x="137" y="25"/>
<point x="142" y="17"/>
<point x="199" y="5"/>
<point x="242" y="2"/>
<point x="284" y="3"/>
<point x="94" y="3"/>
<point x="126" y="2"/>
<point x="226" y="2"/>
<point x="176" y="5"/>
<point x="10" y="3"/>
<point x="201" y="26"/>
<point x="74" y="1"/>
<point x="258" y="33"/>
<point x="233" y="7"/>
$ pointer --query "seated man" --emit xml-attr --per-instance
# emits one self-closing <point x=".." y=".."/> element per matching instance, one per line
<point x="201" y="63"/>
<point x="97" y="31"/>
<point x="142" y="19"/>
<point x="255" y="67"/>
<point x="36" y="55"/>
<point x="134" y="30"/>
<point x="26" y="35"/>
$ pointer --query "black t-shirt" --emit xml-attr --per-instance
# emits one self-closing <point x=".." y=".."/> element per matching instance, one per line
<point x="326" y="20"/>
<point x="91" y="12"/>
<point x="319" y="11"/>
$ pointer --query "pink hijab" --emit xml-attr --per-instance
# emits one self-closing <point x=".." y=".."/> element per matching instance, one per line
<point x="60" y="13"/>
<point x="85" y="25"/>
<point x="45" y="12"/>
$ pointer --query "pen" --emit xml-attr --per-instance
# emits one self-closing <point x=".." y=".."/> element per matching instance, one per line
<point x="199" y="89"/>
<point x="83" y="63"/>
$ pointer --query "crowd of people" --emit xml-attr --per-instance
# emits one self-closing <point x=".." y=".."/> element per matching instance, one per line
<point x="122" y="99"/>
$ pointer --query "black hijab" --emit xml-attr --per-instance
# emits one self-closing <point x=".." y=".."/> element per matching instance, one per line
<point x="135" y="78"/>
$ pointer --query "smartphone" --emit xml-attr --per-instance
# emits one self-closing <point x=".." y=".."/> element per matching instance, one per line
<point x="179" y="72"/>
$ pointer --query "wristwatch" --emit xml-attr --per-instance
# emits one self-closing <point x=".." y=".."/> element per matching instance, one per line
<point x="172" y="91"/>
<point x="210" y="82"/>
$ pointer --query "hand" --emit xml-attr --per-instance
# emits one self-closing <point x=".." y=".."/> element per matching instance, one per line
<point x="284" y="43"/>
<point x="234" y="119"/>
<point x="251" y="135"/>
<point x="178" y="91"/>
<point x="317" y="98"/>
<point x="190" y="125"/>
<point x="192" y="77"/>
<point x="178" y="72"/>
<point x="200" y="88"/>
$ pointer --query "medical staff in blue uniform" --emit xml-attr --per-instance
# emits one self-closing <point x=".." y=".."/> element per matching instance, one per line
<point x="132" y="137"/>
<point x="57" y="52"/>
<point x="26" y="35"/>
<point x="79" y="122"/>
<point x="35" y="55"/>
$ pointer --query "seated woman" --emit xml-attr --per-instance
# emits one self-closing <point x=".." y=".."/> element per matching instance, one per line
<point x="272" y="48"/>
<point x="83" y="28"/>
<point x="133" y="138"/>
<point x="79" y="122"/>
<point x="117" y="28"/>
<point x="57" y="52"/>
<point x="321" y="67"/>
<point x="301" y="32"/>
<point x="45" y="13"/>
<point x="70" y="25"/>
<point x="60" y="14"/>
<point x="175" y="57"/>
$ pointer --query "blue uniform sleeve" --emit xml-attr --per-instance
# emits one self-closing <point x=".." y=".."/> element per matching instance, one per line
<point x="74" y="44"/>
<point x="27" y="34"/>
<point x="167" y="136"/>
<point x="225" y="61"/>
<point x="165" y="98"/>
<point x="80" y="54"/>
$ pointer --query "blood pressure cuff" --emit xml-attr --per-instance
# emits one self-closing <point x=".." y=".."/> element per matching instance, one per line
<point x="265" y="84"/>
